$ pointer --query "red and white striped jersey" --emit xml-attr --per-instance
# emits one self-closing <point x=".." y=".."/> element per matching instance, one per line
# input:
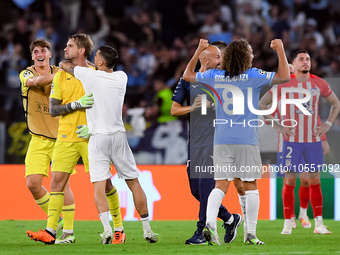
<point x="306" y="124"/>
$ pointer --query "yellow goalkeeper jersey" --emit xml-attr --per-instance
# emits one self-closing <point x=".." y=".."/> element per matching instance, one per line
<point x="68" y="89"/>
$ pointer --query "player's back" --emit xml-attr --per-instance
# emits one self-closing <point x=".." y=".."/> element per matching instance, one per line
<point x="105" y="117"/>
<point x="235" y="122"/>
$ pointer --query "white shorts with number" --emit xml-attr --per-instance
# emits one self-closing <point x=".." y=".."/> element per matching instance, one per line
<point x="237" y="161"/>
<point x="104" y="149"/>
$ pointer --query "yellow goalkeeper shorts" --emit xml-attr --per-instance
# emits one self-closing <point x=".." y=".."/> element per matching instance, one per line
<point x="39" y="155"/>
<point x="66" y="155"/>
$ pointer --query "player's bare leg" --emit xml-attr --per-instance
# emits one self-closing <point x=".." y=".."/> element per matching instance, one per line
<point x="34" y="184"/>
<point x="140" y="201"/>
<point x="38" y="191"/>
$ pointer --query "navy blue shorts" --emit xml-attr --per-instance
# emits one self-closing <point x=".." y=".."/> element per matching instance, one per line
<point x="302" y="157"/>
<point x="201" y="162"/>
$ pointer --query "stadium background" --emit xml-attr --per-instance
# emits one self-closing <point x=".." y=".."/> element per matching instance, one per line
<point x="155" y="40"/>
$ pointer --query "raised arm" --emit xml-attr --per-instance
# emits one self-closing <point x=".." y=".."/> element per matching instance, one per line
<point x="67" y="66"/>
<point x="282" y="75"/>
<point x="189" y="73"/>
<point x="39" y="81"/>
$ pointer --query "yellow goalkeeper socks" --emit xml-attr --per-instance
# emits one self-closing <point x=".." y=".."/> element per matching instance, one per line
<point x="68" y="216"/>
<point x="54" y="209"/>
<point x="43" y="202"/>
<point x="114" y="206"/>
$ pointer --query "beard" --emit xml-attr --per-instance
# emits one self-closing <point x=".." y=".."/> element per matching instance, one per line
<point x="305" y="71"/>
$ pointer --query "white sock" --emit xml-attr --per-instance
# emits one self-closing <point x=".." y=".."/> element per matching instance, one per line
<point x="242" y="200"/>
<point x="318" y="221"/>
<point x="146" y="223"/>
<point x="119" y="229"/>
<point x="288" y="222"/>
<point x="252" y="210"/>
<point x="214" y="202"/>
<point x="68" y="231"/>
<point x="51" y="230"/>
<point x="104" y="218"/>
<point x="303" y="212"/>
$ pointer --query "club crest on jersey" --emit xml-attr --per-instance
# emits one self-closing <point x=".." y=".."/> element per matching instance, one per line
<point x="315" y="92"/>
<point x="288" y="162"/>
<point x="307" y="106"/>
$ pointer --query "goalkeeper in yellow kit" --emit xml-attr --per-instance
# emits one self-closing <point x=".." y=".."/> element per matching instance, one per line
<point x="69" y="147"/>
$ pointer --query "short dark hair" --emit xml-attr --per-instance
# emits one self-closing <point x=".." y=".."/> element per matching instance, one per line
<point x="83" y="41"/>
<point x="220" y="44"/>
<point x="110" y="55"/>
<point x="41" y="43"/>
<point x="297" y="53"/>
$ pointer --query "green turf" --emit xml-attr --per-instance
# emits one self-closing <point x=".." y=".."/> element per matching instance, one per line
<point x="172" y="235"/>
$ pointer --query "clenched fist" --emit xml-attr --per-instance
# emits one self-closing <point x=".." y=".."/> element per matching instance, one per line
<point x="203" y="44"/>
<point x="276" y="44"/>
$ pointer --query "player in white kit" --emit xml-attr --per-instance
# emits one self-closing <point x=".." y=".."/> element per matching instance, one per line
<point x="108" y="142"/>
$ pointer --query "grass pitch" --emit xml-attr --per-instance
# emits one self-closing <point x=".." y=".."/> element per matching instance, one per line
<point x="172" y="235"/>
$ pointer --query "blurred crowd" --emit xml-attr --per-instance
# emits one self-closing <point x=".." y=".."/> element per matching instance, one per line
<point x="156" y="39"/>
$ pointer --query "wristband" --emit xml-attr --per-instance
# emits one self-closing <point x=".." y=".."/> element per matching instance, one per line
<point x="329" y="123"/>
<point x="75" y="105"/>
<point x="69" y="107"/>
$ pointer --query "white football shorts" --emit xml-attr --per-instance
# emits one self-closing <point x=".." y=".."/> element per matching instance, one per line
<point x="104" y="149"/>
<point x="237" y="161"/>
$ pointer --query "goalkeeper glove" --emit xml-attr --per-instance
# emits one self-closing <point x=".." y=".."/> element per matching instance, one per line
<point x="85" y="101"/>
<point x="83" y="131"/>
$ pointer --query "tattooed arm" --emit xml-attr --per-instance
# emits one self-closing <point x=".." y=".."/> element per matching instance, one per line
<point x="67" y="66"/>
<point x="56" y="108"/>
